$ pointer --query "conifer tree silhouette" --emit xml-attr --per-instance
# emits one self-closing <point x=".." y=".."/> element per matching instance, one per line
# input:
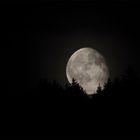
<point x="76" y="90"/>
<point x="99" y="90"/>
<point x="107" y="87"/>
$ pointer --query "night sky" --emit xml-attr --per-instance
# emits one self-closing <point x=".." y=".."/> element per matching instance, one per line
<point x="38" y="39"/>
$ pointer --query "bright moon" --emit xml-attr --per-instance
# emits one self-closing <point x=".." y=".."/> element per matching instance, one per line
<point x="88" y="67"/>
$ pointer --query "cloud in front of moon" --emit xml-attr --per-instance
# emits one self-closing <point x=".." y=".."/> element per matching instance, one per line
<point x="88" y="67"/>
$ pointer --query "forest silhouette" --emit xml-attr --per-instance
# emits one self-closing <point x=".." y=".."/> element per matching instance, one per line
<point x="125" y="86"/>
<point x="52" y="109"/>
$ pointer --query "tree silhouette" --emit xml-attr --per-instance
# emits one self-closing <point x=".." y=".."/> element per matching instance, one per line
<point x="113" y="103"/>
<point x="124" y="87"/>
<point x="108" y="88"/>
<point x="75" y="90"/>
<point x="99" y="90"/>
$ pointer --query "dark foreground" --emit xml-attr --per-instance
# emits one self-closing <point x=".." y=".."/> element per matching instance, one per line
<point x="50" y="110"/>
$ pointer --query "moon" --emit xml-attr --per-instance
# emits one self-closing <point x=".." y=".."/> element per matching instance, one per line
<point x="88" y="67"/>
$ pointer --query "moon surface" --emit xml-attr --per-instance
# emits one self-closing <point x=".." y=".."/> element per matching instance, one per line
<point x="88" y="67"/>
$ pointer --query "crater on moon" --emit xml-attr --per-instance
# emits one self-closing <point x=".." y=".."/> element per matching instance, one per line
<point x="88" y="67"/>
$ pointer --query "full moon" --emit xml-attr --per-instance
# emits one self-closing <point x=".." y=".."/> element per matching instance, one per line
<point x="88" y="67"/>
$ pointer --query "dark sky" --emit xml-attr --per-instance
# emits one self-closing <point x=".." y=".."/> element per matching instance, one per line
<point x="38" y="39"/>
